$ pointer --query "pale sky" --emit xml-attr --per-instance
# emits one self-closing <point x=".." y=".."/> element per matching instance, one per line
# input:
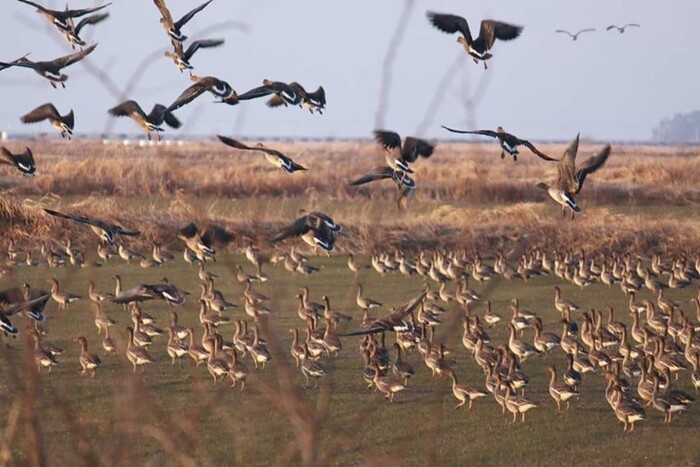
<point x="608" y="86"/>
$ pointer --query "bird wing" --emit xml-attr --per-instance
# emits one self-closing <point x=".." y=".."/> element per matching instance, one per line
<point x="536" y="151"/>
<point x="187" y="96"/>
<point x="216" y="235"/>
<point x="6" y="157"/>
<point x="585" y="30"/>
<point x="37" y="6"/>
<point x="203" y="44"/>
<point x="563" y="31"/>
<point x="81" y="219"/>
<point x="612" y="26"/>
<point x="129" y="232"/>
<point x="592" y="164"/>
<point x="41" y="113"/>
<point x="491" y="30"/>
<point x="409" y="307"/>
<point x="414" y="147"/>
<point x="387" y="139"/>
<point x="76" y="57"/>
<point x="92" y="19"/>
<point x="25" y="305"/>
<point x="137" y="293"/>
<point x="190" y="230"/>
<point x="299" y="227"/>
<point x="164" y="12"/>
<point x="634" y="25"/>
<point x="318" y="97"/>
<point x="188" y="16"/>
<point x="126" y="109"/>
<point x="490" y="133"/>
<point x="83" y="11"/>
<point x="25" y="161"/>
<point x="379" y="173"/>
<point x="450" y="24"/>
<point x="566" y="168"/>
<point x="170" y="119"/>
<point x="260" y="91"/>
<point x="234" y="143"/>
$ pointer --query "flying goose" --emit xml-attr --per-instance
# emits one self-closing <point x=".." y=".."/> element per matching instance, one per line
<point x="405" y="184"/>
<point x="23" y="161"/>
<point x="489" y="31"/>
<point x="570" y="178"/>
<point x="315" y="228"/>
<point x="219" y="88"/>
<point x="106" y="231"/>
<point x="289" y="95"/>
<point x="148" y="122"/>
<point x="399" y="155"/>
<point x="311" y="101"/>
<point x="203" y="241"/>
<point x="50" y="70"/>
<point x="182" y="57"/>
<point x="11" y="304"/>
<point x="395" y="321"/>
<point x="509" y="143"/>
<point x="621" y="29"/>
<point x="173" y="27"/>
<point x="63" y="20"/>
<point x="162" y="291"/>
<point x="64" y="123"/>
<point x="574" y="36"/>
<point x="273" y="156"/>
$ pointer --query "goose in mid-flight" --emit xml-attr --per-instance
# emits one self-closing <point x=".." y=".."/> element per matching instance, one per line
<point x="173" y="27"/>
<point x="575" y="35"/>
<point x="106" y="231"/>
<point x="621" y="29"/>
<point x="273" y="156"/>
<point x="63" y="123"/>
<point x="399" y="155"/>
<point x="23" y="161"/>
<point x="489" y="31"/>
<point x="218" y="87"/>
<point x="148" y="122"/>
<point x="509" y="143"/>
<point x="63" y="20"/>
<point x="50" y="70"/>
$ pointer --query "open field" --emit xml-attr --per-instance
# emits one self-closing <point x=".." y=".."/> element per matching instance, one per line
<point x="644" y="201"/>
<point x="180" y="412"/>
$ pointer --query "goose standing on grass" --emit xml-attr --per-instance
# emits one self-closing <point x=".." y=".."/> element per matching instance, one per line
<point x="489" y="31"/>
<point x="219" y="88"/>
<point x="138" y="356"/>
<point x="64" y="124"/>
<point x="148" y="122"/>
<point x="509" y="143"/>
<point x="105" y="231"/>
<point x="23" y="161"/>
<point x="570" y="178"/>
<point x="182" y="57"/>
<point x="464" y="393"/>
<point x="273" y="156"/>
<point x="62" y="298"/>
<point x="88" y="361"/>
<point x="399" y="155"/>
<point x="560" y="392"/>
<point x="173" y="28"/>
<point x="621" y="29"/>
<point x="50" y="70"/>
<point x="64" y="20"/>
<point x="574" y="36"/>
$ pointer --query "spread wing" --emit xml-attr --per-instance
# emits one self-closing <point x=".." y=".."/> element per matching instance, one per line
<point x="164" y="12"/>
<point x="216" y="235"/>
<point x="137" y="293"/>
<point x="81" y="219"/>
<point x="379" y="173"/>
<point x="562" y="31"/>
<point x="188" y="16"/>
<point x="6" y="157"/>
<point x="126" y="109"/>
<point x="254" y="93"/>
<point x="234" y="143"/>
<point x="41" y="113"/>
<point x="299" y="227"/>
<point x="491" y="30"/>
<point x="592" y="164"/>
<point x="187" y="96"/>
<point x="83" y="11"/>
<point x="566" y="168"/>
<point x="202" y="44"/>
<point x="490" y="133"/>
<point x="92" y="19"/>
<point x="76" y="57"/>
<point x="414" y="147"/>
<point x="536" y="151"/>
<point x="450" y="24"/>
<point x="387" y="139"/>
<point x="22" y="305"/>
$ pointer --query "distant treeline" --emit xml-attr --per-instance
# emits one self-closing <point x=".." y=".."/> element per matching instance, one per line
<point x="681" y="128"/>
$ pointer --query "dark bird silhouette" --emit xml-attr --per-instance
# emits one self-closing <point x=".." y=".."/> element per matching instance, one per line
<point x="173" y="28"/>
<point x="396" y="321"/>
<point x="509" y="143"/>
<point x="63" y="20"/>
<point x="489" y="31"/>
<point x="148" y="122"/>
<point x="570" y="178"/>
<point x="574" y="36"/>
<point x="405" y="184"/>
<point x="282" y="93"/>
<point x="24" y="161"/>
<point x="273" y="156"/>
<point x="182" y="57"/>
<point x="399" y="155"/>
<point x="50" y="70"/>
<point x="621" y="29"/>
<point x="203" y="241"/>
<point x="164" y="291"/>
<point x="64" y="123"/>
<point x="315" y="228"/>
<point x="104" y="230"/>
<point x="219" y="88"/>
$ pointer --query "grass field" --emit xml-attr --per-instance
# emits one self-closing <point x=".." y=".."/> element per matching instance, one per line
<point x="179" y="414"/>
<point x="644" y="201"/>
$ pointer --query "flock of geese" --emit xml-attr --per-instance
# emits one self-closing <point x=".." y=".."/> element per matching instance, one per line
<point x="642" y="359"/>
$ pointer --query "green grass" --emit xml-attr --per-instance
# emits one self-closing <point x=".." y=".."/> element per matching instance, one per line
<point x="189" y="418"/>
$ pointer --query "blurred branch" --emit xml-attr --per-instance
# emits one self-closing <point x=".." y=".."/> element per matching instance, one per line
<point x="439" y="95"/>
<point x="389" y="61"/>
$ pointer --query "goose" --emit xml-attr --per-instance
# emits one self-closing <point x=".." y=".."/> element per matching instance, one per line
<point x="64" y="20"/>
<point x="105" y="231"/>
<point x="42" y="357"/>
<point x="311" y="368"/>
<point x="365" y="303"/>
<point x="108" y="344"/>
<point x="667" y="405"/>
<point x="173" y="28"/>
<point x="560" y="392"/>
<point x="544" y="341"/>
<point x="138" y="356"/>
<point x="51" y="70"/>
<point x="405" y="184"/>
<point x="216" y="300"/>
<point x="273" y="156"/>
<point x="518" y="404"/>
<point x="148" y="122"/>
<point x="182" y="57"/>
<point x="570" y="178"/>
<point x="621" y="29"/>
<point x="332" y="315"/>
<point x="402" y="369"/>
<point x="258" y="351"/>
<point x="88" y="361"/>
<point x="162" y="291"/>
<point x="489" y="31"/>
<point x="219" y="88"/>
<point x="94" y="296"/>
<point x="626" y="410"/>
<point x="218" y="367"/>
<point x="395" y="321"/>
<point x="176" y="349"/>
<point x="400" y="155"/>
<point x="63" y="123"/>
<point x="196" y="351"/>
<point x="574" y="36"/>
<point x="464" y="393"/>
<point x="386" y="385"/>
<point x="572" y="377"/>
<point x="23" y="161"/>
<point x="331" y="341"/>
<point x="160" y="256"/>
<point x="62" y="298"/>
<point x="509" y="143"/>
<point x="213" y="319"/>
<point x="283" y="94"/>
<point x="356" y="267"/>
<point x="316" y="229"/>
<point x="561" y="304"/>
<point x="102" y="320"/>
